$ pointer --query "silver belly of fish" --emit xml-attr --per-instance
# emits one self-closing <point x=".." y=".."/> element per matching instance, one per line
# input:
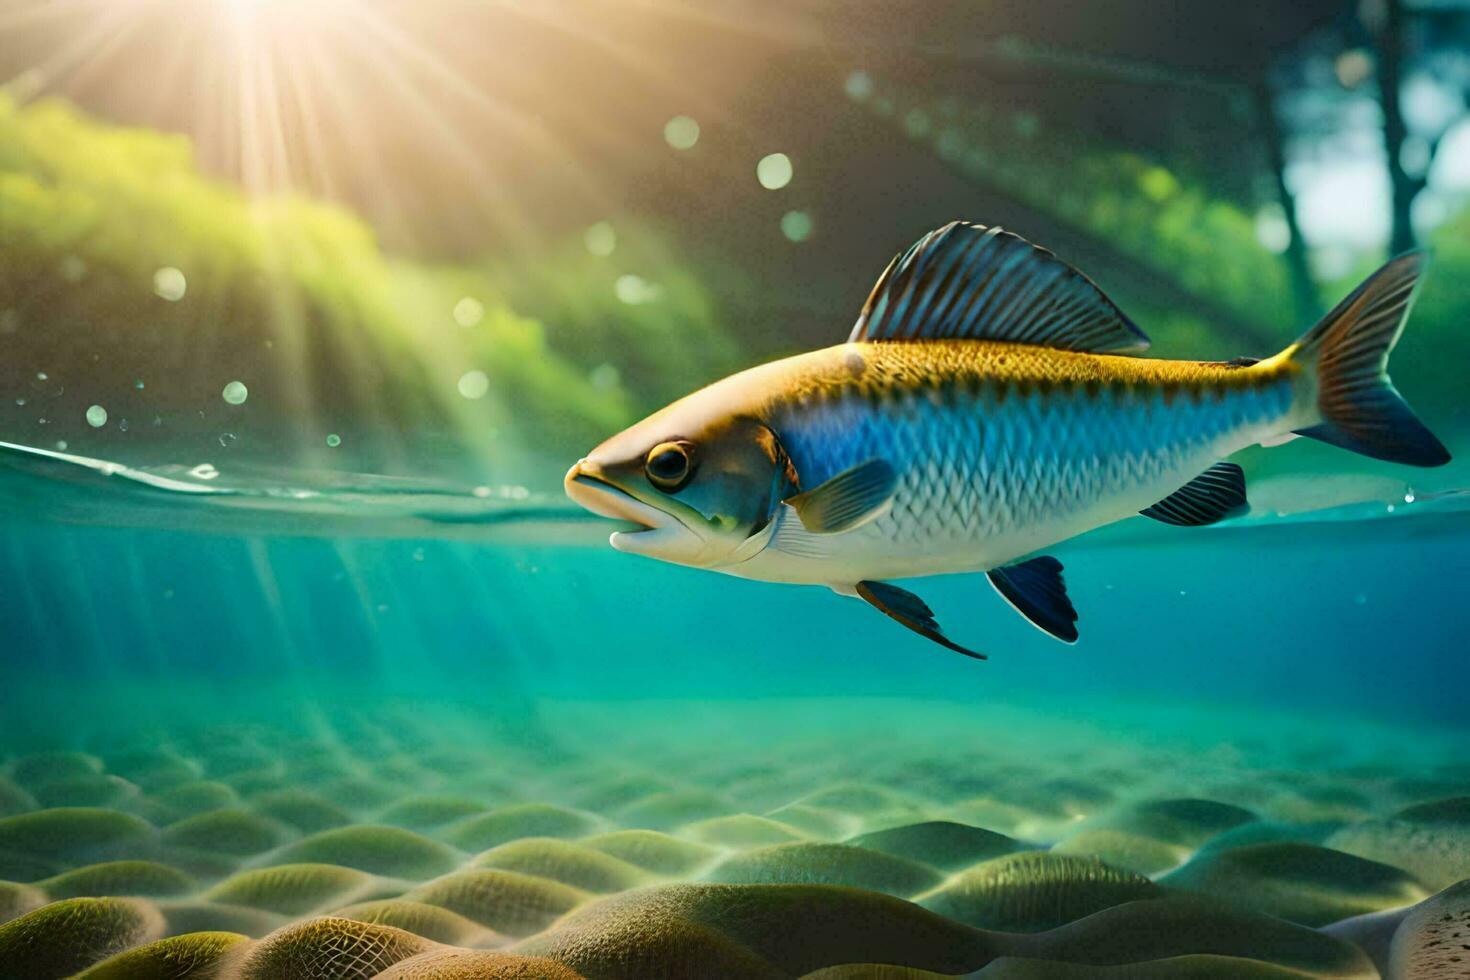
<point x="984" y="481"/>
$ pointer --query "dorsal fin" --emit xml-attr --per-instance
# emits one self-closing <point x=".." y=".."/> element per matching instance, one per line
<point x="966" y="281"/>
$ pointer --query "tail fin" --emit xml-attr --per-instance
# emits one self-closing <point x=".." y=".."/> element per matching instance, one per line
<point x="1361" y="410"/>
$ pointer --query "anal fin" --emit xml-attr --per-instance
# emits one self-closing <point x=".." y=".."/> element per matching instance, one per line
<point x="909" y="610"/>
<point x="1036" y="590"/>
<point x="1214" y="495"/>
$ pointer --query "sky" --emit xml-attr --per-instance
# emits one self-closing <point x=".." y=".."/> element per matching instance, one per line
<point x="1343" y="195"/>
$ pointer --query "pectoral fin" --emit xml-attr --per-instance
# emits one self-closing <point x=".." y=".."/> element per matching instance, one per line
<point x="1035" y="589"/>
<point x="911" y="611"/>
<point x="848" y="500"/>
<point x="1214" y="495"/>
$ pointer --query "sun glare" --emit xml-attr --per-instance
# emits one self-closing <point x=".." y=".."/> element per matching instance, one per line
<point x="393" y="111"/>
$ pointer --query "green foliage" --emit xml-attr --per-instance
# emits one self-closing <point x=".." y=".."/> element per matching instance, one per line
<point x="635" y="311"/>
<point x="1156" y="216"/>
<point x="296" y="298"/>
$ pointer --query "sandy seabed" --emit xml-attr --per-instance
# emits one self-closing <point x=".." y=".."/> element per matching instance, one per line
<point x="834" y="839"/>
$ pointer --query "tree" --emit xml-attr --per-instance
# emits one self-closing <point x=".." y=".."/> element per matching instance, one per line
<point x="1397" y="43"/>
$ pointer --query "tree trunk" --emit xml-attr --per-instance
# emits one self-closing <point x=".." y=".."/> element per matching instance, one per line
<point x="1305" y="300"/>
<point x="1390" y="80"/>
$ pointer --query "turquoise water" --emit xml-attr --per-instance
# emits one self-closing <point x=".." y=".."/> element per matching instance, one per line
<point x="1345" y="611"/>
<point x="210" y="654"/>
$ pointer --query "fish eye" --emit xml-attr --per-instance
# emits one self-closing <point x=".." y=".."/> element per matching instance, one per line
<point x="670" y="465"/>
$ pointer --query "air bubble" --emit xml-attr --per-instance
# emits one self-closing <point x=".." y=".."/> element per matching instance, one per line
<point x="796" y="226"/>
<point x="681" y="133"/>
<point x="605" y="377"/>
<point x="601" y="239"/>
<point x="774" y="171"/>
<point x="468" y="312"/>
<point x="334" y="440"/>
<point x="169" y="284"/>
<point x="474" y="384"/>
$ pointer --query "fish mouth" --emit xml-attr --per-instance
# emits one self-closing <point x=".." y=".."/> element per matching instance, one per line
<point x="590" y="490"/>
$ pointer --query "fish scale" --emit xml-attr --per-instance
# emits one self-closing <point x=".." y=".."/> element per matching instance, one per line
<point x="977" y="462"/>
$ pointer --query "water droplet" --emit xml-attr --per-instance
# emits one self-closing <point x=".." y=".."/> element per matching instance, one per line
<point x="138" y="384"/>
<point x="61" y="444"/>
<point x="859" y="86"/>
<point x="168" y="593"/>
<point x="681" y="132"/>
<point x="382" y="607"/>
<point x="169" y="284"/>
<point x="1360" y="600"/>
<point x="1182" y="592"/>
<point x="796" y="226"/>
<point x="635" y="290"/>
<point x="482" y="492"/>
<point x="226" y="440"/>
<point x="123" y="425"/>
<point x="1390" y="508"/>
<point x="235" y="393"/>
<point x="774" y="171"/>
<point x="20" y="401"/>
<point x="418" y="554"/>
<point x="158" y="420"/>
<point x="96" y="416"/>
<point x="469" y="311"/>
<point x="474" y="384"/>
<point x="1408" y="495"/>
<point x="41" y="375"/>
<point x="601" y="239"/>
<point x="605" y="377"/>
<point x="204" y="471"/>
<point x="334" y="440"/>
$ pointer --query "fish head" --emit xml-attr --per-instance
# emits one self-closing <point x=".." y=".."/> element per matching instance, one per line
<point x="700" y="483"/>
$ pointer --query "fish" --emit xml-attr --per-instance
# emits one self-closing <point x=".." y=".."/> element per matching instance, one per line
<point x="990" y="402"/>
